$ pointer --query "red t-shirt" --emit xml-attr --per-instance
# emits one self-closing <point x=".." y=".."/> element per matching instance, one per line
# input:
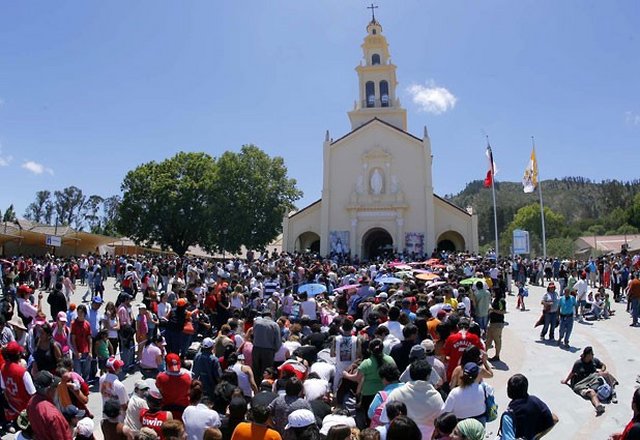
<point x="174" y="390"/>
<point x="455" y="345"/>
<point x="82" y="332"/>
<point x="46" y="420"/>
<point x="153" y="420"/>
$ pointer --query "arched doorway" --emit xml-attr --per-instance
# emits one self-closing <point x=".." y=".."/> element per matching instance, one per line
<point x="308" y="242"/>
<point x="377" y="242"/>
<point x="451" y="241"/>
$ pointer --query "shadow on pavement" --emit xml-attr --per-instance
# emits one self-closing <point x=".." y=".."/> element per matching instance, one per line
<point x="499" y="365"/>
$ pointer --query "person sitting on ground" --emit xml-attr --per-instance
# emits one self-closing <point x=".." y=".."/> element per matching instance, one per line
<point x="585" y="379"/>
<point x="526" y="416"/>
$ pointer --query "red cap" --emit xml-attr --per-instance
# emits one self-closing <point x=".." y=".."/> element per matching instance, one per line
<point x="24" y="289"/>
<point x="114" y="364"/>
<point x="173" y="363"/>
<point x="14" y="348"/>
<point x="296" y="369"/>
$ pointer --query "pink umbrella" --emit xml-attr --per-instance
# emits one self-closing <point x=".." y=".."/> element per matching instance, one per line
<point x="421" y="271"/>
<point x="346" y="287"/>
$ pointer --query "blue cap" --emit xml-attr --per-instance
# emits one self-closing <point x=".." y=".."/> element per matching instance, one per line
<point x="96" y="300"/>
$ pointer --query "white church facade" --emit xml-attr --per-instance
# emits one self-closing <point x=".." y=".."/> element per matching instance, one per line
<point x="377" y="190"/>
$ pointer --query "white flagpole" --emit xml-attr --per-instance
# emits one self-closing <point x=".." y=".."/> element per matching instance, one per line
<point x="493" y="192"/>
<point x="544" y="234"/>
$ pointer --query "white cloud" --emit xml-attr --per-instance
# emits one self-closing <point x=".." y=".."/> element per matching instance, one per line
<point x="431" y="98"/>
<point x="36" y="168"/>
<point x="632" y="118"/>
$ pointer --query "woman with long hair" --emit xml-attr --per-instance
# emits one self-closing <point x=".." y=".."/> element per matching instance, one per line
<point x="47" y="351"/>
<point x="111" y="324"/>
<point x="151" y="357"/>
<point x="369" y="381"/>
<point x="61" y="334"/>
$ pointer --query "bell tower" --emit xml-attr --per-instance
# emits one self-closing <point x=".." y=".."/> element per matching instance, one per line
<point x="377" y="82"/>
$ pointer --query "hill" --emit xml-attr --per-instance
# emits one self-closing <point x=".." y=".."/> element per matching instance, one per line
<point x="588" y="207"/>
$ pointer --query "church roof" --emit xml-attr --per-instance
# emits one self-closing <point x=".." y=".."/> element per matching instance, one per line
<point x="371" y="121"/>
<point x="305" y="208"/>
<point x="452" y="204"/>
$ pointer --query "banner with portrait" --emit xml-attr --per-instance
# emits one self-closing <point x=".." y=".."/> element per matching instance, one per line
<point x="339" y="242"/>
<point x="414" y="243"/>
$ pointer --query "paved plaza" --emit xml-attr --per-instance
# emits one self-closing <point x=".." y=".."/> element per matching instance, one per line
<point x="545" y="364"/>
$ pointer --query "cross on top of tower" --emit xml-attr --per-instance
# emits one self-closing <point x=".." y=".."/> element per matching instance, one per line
<point x="373" y="12"/>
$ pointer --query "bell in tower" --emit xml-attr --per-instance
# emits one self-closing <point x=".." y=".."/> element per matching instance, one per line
<point x="377" y="82"/>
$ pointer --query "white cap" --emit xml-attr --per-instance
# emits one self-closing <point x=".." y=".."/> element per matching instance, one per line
<point x="300" y="418"/>
<point x="85" y="427"/>
<point x="207" y="343"/>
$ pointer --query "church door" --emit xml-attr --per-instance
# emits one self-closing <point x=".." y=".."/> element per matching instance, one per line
<point x="377" y="243"/>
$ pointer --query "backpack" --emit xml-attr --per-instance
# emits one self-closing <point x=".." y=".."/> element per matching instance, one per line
<point x="375" y="420"/>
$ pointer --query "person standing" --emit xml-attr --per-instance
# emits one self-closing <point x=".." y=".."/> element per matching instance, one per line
<point x="57" y="300"/>
<point x="206" y="368"/>
<point x="46" y="420"/>
<point x="481" y="303"/>
<point x="566" y="307"/>
<point x="266" y="342"/>
<point x="496" y="323"/>
<point x="15" y="380"/>
<point x="633" y="297"/>
<point x="550" y="303"/>
<point x="581" y="287"/>
<point x="634" y="423"/>
<point x="126" y="332"/>
<point x="82" y="344"/>
<point x="111" y="388"/>
<point x="423" y="402"/>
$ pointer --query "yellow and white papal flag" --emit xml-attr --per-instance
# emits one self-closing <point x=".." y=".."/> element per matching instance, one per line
<point x="530" y="179"/>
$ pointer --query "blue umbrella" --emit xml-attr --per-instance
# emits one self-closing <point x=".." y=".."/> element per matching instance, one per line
<point x="312" y="289"/>
<point x="389" y="280"/>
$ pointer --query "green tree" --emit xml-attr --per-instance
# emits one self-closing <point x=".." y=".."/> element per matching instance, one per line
<point x="110" y="216"/>
<point x="634" y="211"/>
<point x="90" y="213"/>
<point x="528" y="218"/>
<point x="41" y="209"/>
<point x="68" y="205"/>
<point x="9" y="214"/>
<point x="561" y="247"/>
<point x="252" y="193"/>
<point x="169" y="203"/>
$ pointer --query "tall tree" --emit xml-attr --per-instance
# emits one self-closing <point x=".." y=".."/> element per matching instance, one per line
<point x="252" y="193"/>
<point x="68" y="206"/>
<point x="110" y="215"/>
<point x="90" y="213"/>
<point x="169" y="203"/>
<point x="9" y="214"/>
<point x="40" y="210"/>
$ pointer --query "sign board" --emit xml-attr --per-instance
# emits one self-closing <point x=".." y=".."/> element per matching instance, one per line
<point x="54" y="240"/>
<point x="520" y="242"/>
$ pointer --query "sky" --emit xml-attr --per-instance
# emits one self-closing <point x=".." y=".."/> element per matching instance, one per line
<point x="89" y="90"/>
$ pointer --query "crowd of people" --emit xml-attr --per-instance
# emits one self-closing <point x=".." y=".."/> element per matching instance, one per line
<point x="288" y="346"/>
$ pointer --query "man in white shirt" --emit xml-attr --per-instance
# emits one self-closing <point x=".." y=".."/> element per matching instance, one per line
<point x="308" y="307"/>
<point x="395" y="328"/>
<point x="581" y="287"/>
<point x="136" y="403"/>
<point x="111" y="388"/>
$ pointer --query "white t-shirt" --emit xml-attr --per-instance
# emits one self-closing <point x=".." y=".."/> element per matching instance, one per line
<point x="132" y="416"/>
<point x="468" y="401"/>
<point x="112" y="389"/>
<point x="395" y="328"/>
<point x="325" y="370"/>
<point x="197" y="419"/>
<point x="308" y="308"/>
<point x="315" y="388"/>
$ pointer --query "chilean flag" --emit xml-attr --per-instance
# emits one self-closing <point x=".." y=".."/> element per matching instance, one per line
<point x="488" y="181"/>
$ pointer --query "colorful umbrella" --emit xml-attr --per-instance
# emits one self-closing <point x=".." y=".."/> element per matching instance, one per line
<point x="312" y="289"/>
<point x="346" y="287"/>
<point x="429" y="276"/>
<point x="401" y="267"/>
<point x="389" y="280"/>
<point x="470" y="281"/>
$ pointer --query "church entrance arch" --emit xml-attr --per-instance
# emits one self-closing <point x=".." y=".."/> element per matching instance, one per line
<point x="377" y="242"/>
<point x="451" y="241"/>
<point x="308" y="242"/>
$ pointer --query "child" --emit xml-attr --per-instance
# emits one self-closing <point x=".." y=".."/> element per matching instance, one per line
<point x="444" y="426"/>
<point x="104" y="350"/>
<point x="522" y="293"/>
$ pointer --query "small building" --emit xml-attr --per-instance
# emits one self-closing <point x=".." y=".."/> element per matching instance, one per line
<point x="596" y="245"/>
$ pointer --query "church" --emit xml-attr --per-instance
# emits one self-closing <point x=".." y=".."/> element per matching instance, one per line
<point x="377" y="188"/>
